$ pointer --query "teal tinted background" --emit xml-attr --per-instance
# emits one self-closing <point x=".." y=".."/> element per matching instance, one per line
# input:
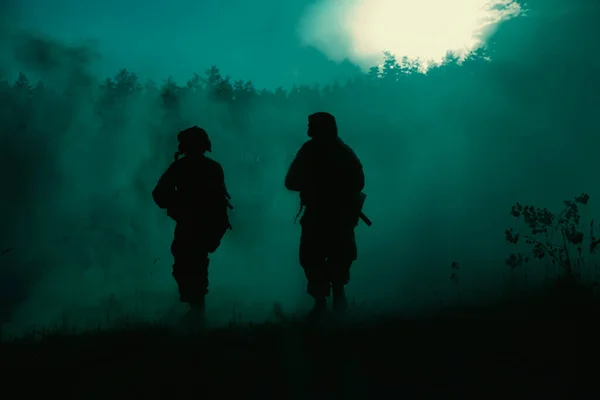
<point x="446" y="155"/>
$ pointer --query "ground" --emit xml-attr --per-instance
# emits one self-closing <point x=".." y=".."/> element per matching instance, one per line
<point x="525" y="348"/>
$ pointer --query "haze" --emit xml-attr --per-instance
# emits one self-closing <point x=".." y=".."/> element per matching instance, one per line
<point x="446" y="153"/>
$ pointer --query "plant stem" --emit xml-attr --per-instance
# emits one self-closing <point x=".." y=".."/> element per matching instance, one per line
<point x="566" y="251"/>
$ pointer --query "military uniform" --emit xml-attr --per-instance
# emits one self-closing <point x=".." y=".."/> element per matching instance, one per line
<point x="193" y="192"/>
<point x="330" y="179"/>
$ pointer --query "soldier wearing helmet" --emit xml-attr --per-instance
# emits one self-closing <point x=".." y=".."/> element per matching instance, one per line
<point x="193" y="192"/>
<point x="330" y="179"/>
<point x="193" y="140"/>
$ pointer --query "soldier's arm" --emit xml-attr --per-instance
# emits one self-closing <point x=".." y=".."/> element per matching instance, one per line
<point x="295" y="177"/>
<point x="165" y="191"/>
<point x="358" y="175"/>
<point x="221" y="180"/>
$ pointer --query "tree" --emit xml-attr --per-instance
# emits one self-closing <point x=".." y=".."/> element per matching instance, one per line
<point x="218" y="87"/>
<point x="194" y="85"/>
<point x="391" y="68"/>
<point x="126" y="84"/>
<point x="170" y="94"/>
<point x="374" y="73"/>
<point x="22" y="88"/>
<point x="408" y="66"/>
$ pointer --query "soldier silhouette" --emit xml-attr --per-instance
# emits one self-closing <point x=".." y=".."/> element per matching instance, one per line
<point x="193" y="192"/>
<point x="330" y="179"/>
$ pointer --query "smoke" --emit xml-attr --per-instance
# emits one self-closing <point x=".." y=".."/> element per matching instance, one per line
<point x="68" y="227"/>
<point x="8" y="15"/>
<point x="86" y="240"/>
<point x="445" y="157"/>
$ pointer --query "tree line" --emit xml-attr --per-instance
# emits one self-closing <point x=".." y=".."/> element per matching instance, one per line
<point x="23" y="98"/>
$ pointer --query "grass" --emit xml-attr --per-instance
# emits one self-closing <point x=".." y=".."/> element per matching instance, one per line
<point x="526" y="346"/>
<point x="529" y="346"/>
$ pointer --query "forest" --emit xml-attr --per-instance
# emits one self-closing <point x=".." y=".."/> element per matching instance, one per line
<point x="482" y="187"/>
<point x="80" y="156"/>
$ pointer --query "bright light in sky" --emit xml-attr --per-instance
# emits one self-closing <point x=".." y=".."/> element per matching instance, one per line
<point x="361" y="30"/>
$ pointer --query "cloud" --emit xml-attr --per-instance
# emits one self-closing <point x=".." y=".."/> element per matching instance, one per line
<point x="361" y="30"/>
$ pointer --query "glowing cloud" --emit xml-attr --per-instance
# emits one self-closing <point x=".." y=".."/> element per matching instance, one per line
<point x="425" y="30"/>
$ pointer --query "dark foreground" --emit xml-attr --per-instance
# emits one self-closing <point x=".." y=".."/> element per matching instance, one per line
<point x="528" y="349"/>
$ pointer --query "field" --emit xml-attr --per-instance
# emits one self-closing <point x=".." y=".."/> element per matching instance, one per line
<point x="522" y="348"/>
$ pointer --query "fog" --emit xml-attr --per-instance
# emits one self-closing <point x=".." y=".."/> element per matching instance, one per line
<point x="446" y="154"/>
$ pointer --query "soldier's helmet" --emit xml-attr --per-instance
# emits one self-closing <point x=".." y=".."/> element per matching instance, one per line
<point x="194" y="140"/>
<point x="322" y="125"/>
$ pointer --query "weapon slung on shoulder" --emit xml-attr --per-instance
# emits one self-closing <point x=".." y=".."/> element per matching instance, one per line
<point x="362" y="216"/>
<point x="227" y="198"/>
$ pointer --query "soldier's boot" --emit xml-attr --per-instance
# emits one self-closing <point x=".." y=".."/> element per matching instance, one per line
<point x="340" y="302"/>
<point x="195" y="317"/>
<point x="319" y="309"/>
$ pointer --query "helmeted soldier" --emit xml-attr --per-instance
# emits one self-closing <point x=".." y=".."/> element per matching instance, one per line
<point x="193" y="192"/>
<point x="330" y="179"/>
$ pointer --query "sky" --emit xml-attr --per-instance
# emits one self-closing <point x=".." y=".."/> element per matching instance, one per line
<point x="251" y="40"/>
<point x="445" y="159"/>
<point x="270" y="42"/>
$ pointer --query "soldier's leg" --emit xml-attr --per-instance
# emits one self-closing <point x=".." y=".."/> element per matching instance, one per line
<point x="313" y="261"/>
<point x="339" y="275"/>
<point x="343" y="253"/>
<point x="190" y="271"/>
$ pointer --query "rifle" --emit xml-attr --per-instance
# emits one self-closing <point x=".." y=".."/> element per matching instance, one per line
<point x="227" y="198"/>
<point x="366" y="220"/>
<point x="361" y="198"/>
